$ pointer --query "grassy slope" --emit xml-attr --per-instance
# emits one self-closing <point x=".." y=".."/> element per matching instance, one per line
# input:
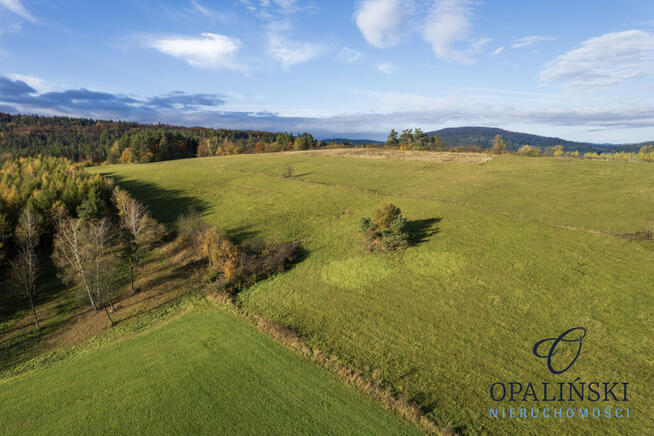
<point x="445" y="319"/>
<point x="203" y="373"/>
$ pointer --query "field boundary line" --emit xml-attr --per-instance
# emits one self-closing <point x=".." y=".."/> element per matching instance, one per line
<point x="292" y="341"/>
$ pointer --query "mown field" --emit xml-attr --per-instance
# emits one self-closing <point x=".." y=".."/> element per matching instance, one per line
<point x="509" y="252"/>
<point x="204" y="372"/>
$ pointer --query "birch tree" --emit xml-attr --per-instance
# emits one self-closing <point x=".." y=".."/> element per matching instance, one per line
<point x="101" y="260"/>
<point x="70" y="253"/>
<point x="136" y="222"/>
<point x="25" y="265"/>
<point x="82" y="252"/>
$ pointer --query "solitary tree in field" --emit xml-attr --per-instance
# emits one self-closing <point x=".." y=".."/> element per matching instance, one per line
<point x="25" y="266"/>
<point x="387" y="229"/>
<point x="498" y="145"/>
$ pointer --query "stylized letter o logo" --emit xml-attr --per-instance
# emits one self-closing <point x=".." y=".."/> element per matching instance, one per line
<point x="552" y="350"/>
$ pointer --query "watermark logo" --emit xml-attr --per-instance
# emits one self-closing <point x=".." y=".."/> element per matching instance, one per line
<point x="556" y="400"/>
<point x="571" y="336"/>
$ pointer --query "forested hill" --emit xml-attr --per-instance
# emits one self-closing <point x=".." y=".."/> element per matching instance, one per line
<point x="483" y="137"/>
<point x="82" y="139"/>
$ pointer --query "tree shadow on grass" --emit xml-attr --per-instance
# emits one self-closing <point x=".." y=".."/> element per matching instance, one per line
<point x="165" y="204"/>
<point x="421" y="230"/>
<point x="20" y="340"/>
<point x="242" y="234"/>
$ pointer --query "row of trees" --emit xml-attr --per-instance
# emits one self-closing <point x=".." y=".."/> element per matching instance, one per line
<point x="90" y="228"/>
<point x="418" y="140"/>
<point x="113" y="142"/>
<point x="221" y="146"/>
<point x="411" y="139"/>
<point x="646" y="153"/>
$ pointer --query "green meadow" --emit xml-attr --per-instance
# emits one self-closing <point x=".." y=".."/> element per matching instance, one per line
<point x="506" y="253"/>
<point x="205" y="372"/>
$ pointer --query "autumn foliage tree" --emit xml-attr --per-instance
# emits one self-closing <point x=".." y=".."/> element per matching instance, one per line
<point x="499" y="146"/>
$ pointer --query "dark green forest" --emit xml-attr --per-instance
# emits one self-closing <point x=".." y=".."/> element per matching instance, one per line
<point x="81" y="139"/>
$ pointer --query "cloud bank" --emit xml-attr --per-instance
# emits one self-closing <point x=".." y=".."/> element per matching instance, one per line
<point x="401" y="110"/>
<point x="603" y="61"/>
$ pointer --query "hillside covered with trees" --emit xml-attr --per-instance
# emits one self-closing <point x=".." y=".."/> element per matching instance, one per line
<point x="81" y="139"/>
<point x="483" y="137"/>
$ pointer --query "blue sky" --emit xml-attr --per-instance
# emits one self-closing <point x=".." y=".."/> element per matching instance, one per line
<point x="581" y="70"/>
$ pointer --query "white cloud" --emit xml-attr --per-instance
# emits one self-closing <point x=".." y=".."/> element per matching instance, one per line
<point x="380" y="22"/>
<point x="201" y="9"/>
<point x="209" y="51"/>
<point x="37" y="83"/>
<point x="448" y="22"/>
<point x="17" y="7"/>
<point x="478" y="45"/>
<point x="386" y="67"/>
<point x="289" y="53"/>
<point x="278" y="17"/>
<point x="347" y="54"/>
<point x="498" y="50"/>
<point x="606" y="60"/>
<point x="531" y="40"/>
<point x="268" y="9"/>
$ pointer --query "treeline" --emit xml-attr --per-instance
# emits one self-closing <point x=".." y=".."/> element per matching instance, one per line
<point x="418" y="140"/>
<point x="79" y="139"/>
<point x="483" y="138"/>
<point x="646" y="153"/>
<point x="51" y="210"/>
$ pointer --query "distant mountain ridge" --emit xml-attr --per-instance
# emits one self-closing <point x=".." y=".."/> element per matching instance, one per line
<point x="483" y="137"/>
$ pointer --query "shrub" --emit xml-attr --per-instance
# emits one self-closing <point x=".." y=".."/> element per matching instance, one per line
<point x="555" y="150"/>
<point x="386" y="230"/>
<point x="529" y="150"/>
<point x="288" y="172"/>
<point x="191" y="230"/>
<point x="235" y="266"/>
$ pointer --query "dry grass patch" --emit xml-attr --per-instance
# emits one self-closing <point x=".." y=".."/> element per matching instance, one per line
<point x="394" y="154"/>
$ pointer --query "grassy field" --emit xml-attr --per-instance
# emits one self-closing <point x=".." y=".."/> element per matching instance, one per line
<point x="205" y="372"/>
<point x="511" y="251"/>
